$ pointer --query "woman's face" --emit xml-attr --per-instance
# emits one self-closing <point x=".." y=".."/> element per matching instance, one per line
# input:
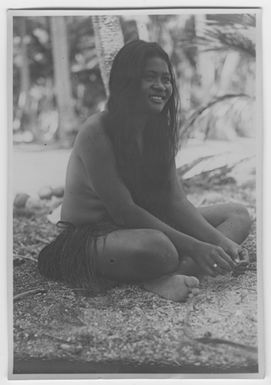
<point x="156" y="86"/>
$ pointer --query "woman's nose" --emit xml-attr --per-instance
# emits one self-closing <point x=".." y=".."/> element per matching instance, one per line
<point x="158" y="85"/>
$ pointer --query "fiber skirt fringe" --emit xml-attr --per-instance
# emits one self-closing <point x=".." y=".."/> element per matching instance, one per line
<point x="70" y="258"/>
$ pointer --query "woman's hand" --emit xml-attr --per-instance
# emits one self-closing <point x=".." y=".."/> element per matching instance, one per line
<point x="235" y="251"/>
<point x="212" y="259"/>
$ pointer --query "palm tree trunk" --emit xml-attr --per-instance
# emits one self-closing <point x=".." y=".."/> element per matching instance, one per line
<point x="24" y="69"/>
<point x="109" y="40"/>
<point x="142" y="27"/>
<point x="63" y="89"/>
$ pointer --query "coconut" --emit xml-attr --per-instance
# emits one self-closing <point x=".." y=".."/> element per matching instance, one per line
<point x="20" y="200"/>
<point x="45" y="192"/>
<point x="34" y="204"/>
<point x="58" y="191"/>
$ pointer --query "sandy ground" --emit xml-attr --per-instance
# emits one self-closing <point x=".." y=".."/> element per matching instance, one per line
<point x="124" y="329"/>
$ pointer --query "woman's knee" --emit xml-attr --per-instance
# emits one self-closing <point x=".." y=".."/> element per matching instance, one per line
<point x="239" y="214"/>
<point x="156" y="255"/>
<point x="136" y="255"/>
<point x="240" y="211"/>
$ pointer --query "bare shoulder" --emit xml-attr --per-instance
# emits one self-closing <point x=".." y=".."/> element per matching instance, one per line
<point x="93" y="126"/>
<point x="92" y="131"/>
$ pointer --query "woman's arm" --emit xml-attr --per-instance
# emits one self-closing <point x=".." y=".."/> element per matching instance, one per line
<point x="97" y="155"/>
<point x="185" y="217"/>
<point x="99" y="160"/>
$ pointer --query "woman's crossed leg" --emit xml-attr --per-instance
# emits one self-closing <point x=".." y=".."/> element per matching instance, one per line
<point x="146" y="256"/>
<point x="231" y="219"/>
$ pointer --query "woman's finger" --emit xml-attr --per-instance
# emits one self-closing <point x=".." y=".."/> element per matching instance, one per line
<point x="235" y="256"/>
<point x="231" y="253"/>
<point x="243" y="254"/>
<point x="218" y="259"/>
<point x="227" y="258"/>
<point x="214" y="266"/>
<point x="224" y="265"/>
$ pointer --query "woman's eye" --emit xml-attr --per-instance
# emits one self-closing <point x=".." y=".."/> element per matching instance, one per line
<point x="149" y="77"/>
<point x="152" y="78"/>
<point x="167" y="80"/>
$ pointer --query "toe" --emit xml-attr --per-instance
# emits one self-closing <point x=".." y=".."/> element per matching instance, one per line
<point x="191" y="282"/>
<point x="195" y="291"/>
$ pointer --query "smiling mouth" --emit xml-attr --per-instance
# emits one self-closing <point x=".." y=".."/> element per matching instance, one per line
<point x="157" y="99"/>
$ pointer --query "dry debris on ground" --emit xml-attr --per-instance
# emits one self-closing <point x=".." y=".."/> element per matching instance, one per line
<point x="126" y="329"/>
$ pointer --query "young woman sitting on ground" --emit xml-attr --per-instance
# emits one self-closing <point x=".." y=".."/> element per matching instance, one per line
<point x="125" y="213"/>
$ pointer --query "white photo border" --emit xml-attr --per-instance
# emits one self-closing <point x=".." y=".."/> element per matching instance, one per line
<point x="262" y="301"/>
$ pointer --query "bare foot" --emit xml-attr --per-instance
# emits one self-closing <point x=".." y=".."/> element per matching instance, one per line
<point x="188" y="267"/>
<point x="175" y="287"/>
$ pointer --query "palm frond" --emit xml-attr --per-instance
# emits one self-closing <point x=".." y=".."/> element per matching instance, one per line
<point x="217" y="39"/>
<point x="225" y="32"/>
<point x="244" y="20"/>
<point x="191" y="120"/>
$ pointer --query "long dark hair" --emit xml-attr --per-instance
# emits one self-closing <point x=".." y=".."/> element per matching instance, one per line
<point x="140" y="174"/>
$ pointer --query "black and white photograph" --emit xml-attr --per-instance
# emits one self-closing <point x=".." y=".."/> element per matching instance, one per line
<point x="135" y="192"/>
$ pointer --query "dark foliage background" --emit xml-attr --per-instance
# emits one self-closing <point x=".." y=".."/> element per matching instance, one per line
<point x="213" y="57"/>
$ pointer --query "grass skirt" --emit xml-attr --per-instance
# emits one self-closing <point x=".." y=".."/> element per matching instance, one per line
<point x="70" y="258"/>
